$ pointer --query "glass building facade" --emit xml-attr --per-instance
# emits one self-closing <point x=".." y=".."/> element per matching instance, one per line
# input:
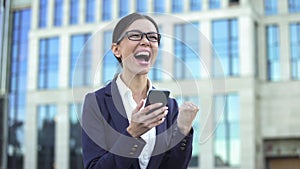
<point x="51" y="61"/>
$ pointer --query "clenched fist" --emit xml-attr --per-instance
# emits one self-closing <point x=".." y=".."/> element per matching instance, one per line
<point x="187" y="113"/>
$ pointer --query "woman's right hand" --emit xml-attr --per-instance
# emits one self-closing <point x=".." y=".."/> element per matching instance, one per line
<point x="142" y="121"/>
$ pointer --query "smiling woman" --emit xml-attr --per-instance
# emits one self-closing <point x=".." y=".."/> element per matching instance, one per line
<point x="118" y="130"/>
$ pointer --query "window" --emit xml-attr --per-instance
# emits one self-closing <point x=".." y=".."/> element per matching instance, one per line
<point x="141" y="6"/>
<point x="159" y="6"/>
<point x="110" y="64"/>
<point x="187" y="61"/>
<point x="227" y="143"/>
<point x="46" y="136"/>
<point x="17" y="88"/>
<point x="295" y="50"/>
<point x="195" y="5"/>
<point x="197" y="128"/>
<point x="75" y="153"/>
<point x="294" y="6"/>
<point x="123" y="7"/>
<point x="177" y="6"/>
<point x="271" y="7"/>
<point x="43" y="9"/>
<point x="214" y="4"/>
<point x="90" y="11"/>
<point x="106" y="10"/>
<point x="74" y="12"/>
<point x="81" y="61"/>
<point x="48" y="63"/>
<point x="156" y="71"/>
<point x="225" y="41"/>
<point x="58" y="12"/>
<point x="273" y="57"/>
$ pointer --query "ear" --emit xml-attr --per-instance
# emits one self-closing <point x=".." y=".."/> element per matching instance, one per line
<point x="116" y="51"/>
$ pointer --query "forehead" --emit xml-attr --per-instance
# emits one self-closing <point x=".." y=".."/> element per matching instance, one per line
<point x="143" y="25"/>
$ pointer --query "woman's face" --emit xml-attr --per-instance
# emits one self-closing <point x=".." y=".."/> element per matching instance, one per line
<point x="138" y="56"/>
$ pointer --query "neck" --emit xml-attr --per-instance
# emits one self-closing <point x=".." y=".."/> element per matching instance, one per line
<point x="138" y="85"/>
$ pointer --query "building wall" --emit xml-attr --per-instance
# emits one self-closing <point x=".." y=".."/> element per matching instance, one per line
<point x="268" y="110"/>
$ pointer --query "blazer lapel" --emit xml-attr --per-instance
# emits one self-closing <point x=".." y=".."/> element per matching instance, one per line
<point x="115" y="107"/>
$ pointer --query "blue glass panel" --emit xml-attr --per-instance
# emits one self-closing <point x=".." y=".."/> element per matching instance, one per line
<point x="195" y="5"/>
<point x="141" y="6"/>
<point x="123" y="7"/>
<point x="294" y="6"/>
<point x="225" y="41"/>
<point x="46" y="136"/>
<point x="159" y="6"/>
<point x="75" y="152"/>
<point x="271" y="7"/>
<point x="90" y="11"/>
<point x="110" y="64"/>
<point x="214" y="4"/>
<point x="81" y="58"/>
<point x="177" y="6"/>
<point x="58" y="12"/>
<point x="273" y="58"/>
<point x="106" y="10"/>
<point x="187" y="63"/>
<point x="17" y="95"/>
<point x="295" y="50"/>
<point x="227" y="135"/>
<point x="43" y="13"/>
<point x="74" y="11"/>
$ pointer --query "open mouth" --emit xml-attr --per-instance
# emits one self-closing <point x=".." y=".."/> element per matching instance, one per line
<point x="142" y="56"/>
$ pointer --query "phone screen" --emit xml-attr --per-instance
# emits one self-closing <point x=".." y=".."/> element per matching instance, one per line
<point x="157" y="96"/>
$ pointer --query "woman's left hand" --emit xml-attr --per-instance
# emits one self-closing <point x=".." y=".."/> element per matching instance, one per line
<point x="187" y="113"/>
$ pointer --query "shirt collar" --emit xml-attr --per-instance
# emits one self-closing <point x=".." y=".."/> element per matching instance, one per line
<point x="125" y="90"/>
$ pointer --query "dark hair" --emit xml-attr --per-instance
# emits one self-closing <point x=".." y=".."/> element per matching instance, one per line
<point x="125" y="22"/>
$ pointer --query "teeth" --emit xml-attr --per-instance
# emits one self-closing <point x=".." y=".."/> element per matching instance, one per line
<point x="143" y="53"/>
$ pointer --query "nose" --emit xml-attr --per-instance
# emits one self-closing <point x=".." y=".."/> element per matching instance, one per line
<point x="144" y="40"/>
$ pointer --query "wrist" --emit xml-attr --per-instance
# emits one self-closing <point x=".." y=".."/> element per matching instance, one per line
<point x="184" y="129"/>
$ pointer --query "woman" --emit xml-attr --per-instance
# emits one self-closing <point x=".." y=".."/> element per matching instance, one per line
<point x="118" y="132"/>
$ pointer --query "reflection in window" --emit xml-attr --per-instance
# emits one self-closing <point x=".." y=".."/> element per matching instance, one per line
<point x="17" y="88"/>
<point x="141" y="6"/>
<point x="48" y="63"/>
<point x="294" y="6"/>
<point x="271" y="7"/>
<point x="106" y="10"/>
<point x="123" y="7"/>
<point x="80" y="61"/>
<point x="197" y="128"/>
<point x="58" y="12"/>
<point x="195" y="5"/>
<point x="214" y="4"/>
<point x="225" y="41"/>
<point x="156" y="71"/>
<point x="46" y="136"/>
<point x="75" y="137"/>
<point x="74" y="12"/>
<point x="43" y="10"/>
<point x="273" y="57"/>
<point x="187" y="61"/>
<point x="295" y="50"/>
<point x="110" y="64"/>
<point x="177" y="6"/>
<point x="90" y="11"/>
<point x="159" y="6"/>
<point x="227" y="135"/>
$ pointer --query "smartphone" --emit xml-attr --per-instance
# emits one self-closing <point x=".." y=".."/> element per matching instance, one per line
<point x="157" y="96"/>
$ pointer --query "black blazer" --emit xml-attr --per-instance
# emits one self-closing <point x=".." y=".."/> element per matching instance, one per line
<point x="106" y="144"/>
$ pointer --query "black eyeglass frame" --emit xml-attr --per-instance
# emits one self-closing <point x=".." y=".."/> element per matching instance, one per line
<point x="142" y="36"/>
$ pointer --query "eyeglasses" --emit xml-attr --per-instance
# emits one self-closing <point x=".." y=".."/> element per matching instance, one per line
<point x="136" y="35"/>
